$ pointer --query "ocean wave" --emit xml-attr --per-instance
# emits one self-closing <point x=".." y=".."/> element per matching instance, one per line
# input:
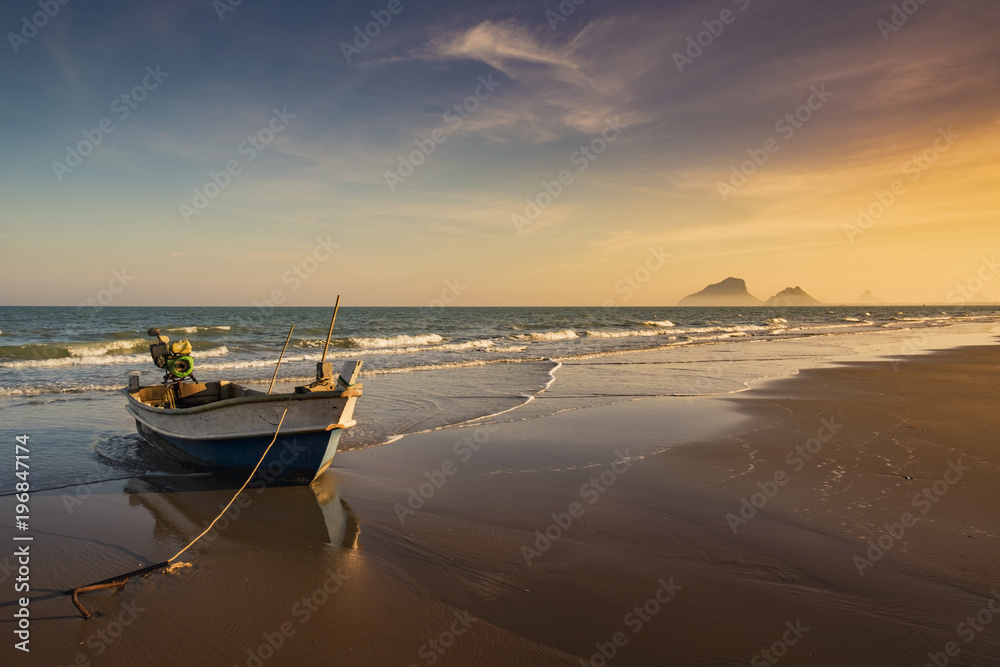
<point x="660" y="323"/>
<point x="101" y="359"/>
<point x="848" y="325"/>
<point x="565" y="334"/>
<point x="191" y="330"/>
<point x="368" y="371"/>
<point x="38" y="390"/>
<point x="486" y="345"/>
<point x="923" y="319"/>
<point x="627" y="334"/>
<point x="44" y="351"/>
<point x="738" y="328"/>
<point x="470" y="363"/>
<point x="390" y="341"/>
<point x="397" y="341"/>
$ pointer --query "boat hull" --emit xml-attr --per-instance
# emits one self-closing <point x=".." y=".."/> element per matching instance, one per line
<point x="293" y="459"/>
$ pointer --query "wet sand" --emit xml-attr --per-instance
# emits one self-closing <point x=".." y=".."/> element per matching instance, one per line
<point x="791" y="519"/>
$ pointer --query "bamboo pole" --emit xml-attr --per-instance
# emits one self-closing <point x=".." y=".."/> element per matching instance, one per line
<point x="280" y="357"/>
<point x="327" y="346"/>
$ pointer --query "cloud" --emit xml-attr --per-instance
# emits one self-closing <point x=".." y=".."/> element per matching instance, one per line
<point x="555" y="89"/>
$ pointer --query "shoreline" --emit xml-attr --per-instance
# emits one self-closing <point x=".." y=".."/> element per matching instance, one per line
<point x="562" y="539"/>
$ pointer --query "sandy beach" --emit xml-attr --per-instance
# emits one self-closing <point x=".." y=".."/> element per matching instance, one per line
<point x="844" y="515"/>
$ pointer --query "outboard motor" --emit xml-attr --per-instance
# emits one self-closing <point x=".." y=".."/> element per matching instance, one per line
<point x="175" y="358"/>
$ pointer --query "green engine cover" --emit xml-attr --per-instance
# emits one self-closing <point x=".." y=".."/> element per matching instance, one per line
<point x="180" y="367"/>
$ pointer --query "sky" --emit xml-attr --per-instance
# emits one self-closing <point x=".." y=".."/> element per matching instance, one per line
<point x="576" y="153"/>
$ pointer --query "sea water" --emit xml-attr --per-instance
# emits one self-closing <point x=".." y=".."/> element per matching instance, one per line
<point x="61" y="369"/>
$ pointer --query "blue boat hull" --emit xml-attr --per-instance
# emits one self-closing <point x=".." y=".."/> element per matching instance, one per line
<point x="293" y="459"/>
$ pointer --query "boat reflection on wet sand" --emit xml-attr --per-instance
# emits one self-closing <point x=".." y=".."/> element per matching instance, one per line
<point x="183" y="506"/>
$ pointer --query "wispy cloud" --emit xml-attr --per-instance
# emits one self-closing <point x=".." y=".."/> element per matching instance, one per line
<point x="558" y="88"/>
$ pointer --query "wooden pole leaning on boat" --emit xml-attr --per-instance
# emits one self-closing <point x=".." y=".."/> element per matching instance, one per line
<point x="324" y="370"/>
<point x="280" y="357"/>
<point x="327" y="346"/>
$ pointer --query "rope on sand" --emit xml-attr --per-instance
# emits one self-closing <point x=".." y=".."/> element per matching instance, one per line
<point x="122" y="579"/>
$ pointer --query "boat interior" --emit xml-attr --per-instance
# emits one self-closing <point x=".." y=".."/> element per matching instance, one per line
<point x="191" y="394"/>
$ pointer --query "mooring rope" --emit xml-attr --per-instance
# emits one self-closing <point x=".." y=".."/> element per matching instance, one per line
<point x="120" y="580"/>
<point x="233" y="499"/>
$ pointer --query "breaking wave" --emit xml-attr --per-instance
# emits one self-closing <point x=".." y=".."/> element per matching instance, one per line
<point x="565" y="334"/>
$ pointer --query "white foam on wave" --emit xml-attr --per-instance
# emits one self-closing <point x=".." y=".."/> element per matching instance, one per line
<point x="848" y="325"/>
<point x="38" y="390"/>
<point x="390" y="341"/>
<point x="528" y="398"/>
<point x="923" y="319"/>
<point x="191" y="330"/>
<point x="100" y="359"/>
<point x="486" y="345"/>
<point x="565" y="334"/>
<point x="220" y="351"/>
<point x="730" y="329"/>
<point x="396" y="341"/>
<point x="627" y="334"/>
<point x="481" y="344"/>
<point x="700" y="332"/>
<point x="108" y="347"/>
<point x="660" y="323"/>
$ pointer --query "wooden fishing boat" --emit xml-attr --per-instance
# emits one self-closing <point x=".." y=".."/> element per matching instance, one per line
<point x="225" y="427"/>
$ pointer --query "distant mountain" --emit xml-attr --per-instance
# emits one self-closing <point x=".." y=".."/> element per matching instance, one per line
<point x="867" y="299"/>
<point x="730" y="292"/>
<point x="792" y="296"/>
